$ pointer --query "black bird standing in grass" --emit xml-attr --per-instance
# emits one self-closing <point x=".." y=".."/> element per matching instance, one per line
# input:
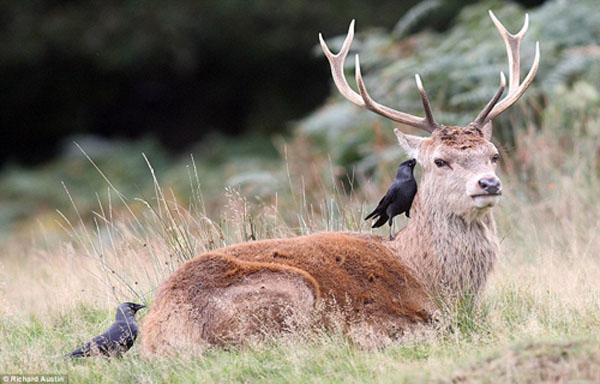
<point x="398" y="198"/>
<point x="117" y="339"/>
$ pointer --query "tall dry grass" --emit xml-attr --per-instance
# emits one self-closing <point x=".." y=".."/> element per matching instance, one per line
<point x="58" y="289"/>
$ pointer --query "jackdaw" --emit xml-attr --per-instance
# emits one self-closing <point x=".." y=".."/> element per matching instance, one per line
<point x="398" y="198"/>
<point x="117" y="339"/>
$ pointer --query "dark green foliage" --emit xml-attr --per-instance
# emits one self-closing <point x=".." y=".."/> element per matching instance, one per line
<point x="460" y="70"/>
<point x="178" y="69"/>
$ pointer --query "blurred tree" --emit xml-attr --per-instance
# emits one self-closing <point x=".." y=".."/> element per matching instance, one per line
<point x="178" y="69"/>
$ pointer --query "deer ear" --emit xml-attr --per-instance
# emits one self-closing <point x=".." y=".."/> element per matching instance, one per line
<point x="409" y="143"/>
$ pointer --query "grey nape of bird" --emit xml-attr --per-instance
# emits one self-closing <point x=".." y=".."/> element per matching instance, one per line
<point x="399" y="197"/>
<point x="117" y="339"/>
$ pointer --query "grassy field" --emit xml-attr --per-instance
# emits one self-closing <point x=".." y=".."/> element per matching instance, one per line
<point x="62" y="274"/>
<point x="539" y="319"/>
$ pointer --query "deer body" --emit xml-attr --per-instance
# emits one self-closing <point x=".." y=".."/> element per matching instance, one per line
<point x="445" y="253"/>
<point x="234" y="294"/>
<point x="389" y="284"/>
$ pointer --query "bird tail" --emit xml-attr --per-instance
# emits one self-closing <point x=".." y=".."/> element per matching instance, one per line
<point x="382" y="220"/>
<point x="76" y="353"/>
<point x="370" y="215"/>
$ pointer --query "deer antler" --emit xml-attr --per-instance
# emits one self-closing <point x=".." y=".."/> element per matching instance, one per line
<point x="483" y="115"/>
<point x="336" y="61"/>
<point x="516" y="88"/>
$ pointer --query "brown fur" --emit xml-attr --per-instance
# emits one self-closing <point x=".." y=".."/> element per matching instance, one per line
<point x="458" y="137"/>
<point x="202" y="303"/>
<point x="360" y="274"/>
<point x="445" y="252"/>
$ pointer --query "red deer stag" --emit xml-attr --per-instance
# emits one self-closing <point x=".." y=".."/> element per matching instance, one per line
<point x="447" y="249"/>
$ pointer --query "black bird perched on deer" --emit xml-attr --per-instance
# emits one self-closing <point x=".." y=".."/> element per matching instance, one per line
<point x="399" y="197"/>
<point x="117" y="339"/>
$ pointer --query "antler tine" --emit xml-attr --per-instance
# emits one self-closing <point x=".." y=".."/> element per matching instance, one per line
<point x="513" y="45"/>
<point x="516" y="88"/>
<point x="336" y="62"/>
<point x="515" y="95"/>
<point x="426" y="104"/>
<point x="401" y="117"/>
<point x="481" y="118"/>
<point x="363" y="99"/>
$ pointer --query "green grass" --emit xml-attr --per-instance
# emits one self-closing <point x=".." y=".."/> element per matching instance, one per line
<point x="32" y="346"/>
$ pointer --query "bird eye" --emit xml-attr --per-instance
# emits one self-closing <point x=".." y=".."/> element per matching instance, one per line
<point x="495" y="158"/>
<point x="440" y="163"/>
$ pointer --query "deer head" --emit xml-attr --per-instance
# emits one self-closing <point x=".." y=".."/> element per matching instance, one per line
<point x="459" y="163"/>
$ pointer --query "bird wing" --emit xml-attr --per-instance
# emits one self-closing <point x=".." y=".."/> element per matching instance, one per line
<point x="410" y="192"/>
<point x="123" y="335"/>
<point x="121" y="331"/>
<point x="96" y="346"/>
<point x="116" y="339"/>
<point x="404" y="195"/>
<point x="383" y="203"/>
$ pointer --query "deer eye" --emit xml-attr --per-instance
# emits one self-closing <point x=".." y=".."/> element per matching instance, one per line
<point x="495" y="158"/>
<point x="440" y="163"/>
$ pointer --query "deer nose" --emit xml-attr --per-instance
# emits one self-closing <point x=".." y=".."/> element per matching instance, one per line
<point x="491" y="185"/>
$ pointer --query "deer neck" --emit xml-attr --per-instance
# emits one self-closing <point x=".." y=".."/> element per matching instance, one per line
<point x="451" y="254"/>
